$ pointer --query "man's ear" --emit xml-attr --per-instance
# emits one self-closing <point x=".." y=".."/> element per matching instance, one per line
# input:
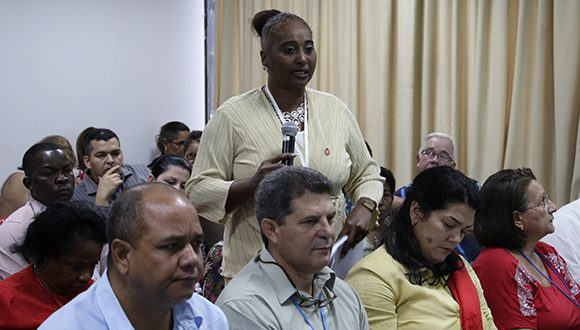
<point x="120" y="253"/>
<point x="150" y="178"/>
<point x="26" y="183"/>
<point x="518" y="221"/>
<point x="86" y="162"/>
<point x="270" y="229"/>
<point x="417" y="160"/>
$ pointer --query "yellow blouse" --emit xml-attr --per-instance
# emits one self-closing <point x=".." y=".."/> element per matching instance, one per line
<point x="392" y="302"/>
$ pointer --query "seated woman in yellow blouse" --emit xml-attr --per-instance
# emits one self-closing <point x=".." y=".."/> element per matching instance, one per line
<point x="416" y="280"/>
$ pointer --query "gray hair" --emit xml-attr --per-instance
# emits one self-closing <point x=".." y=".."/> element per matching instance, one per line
<point x="275" y="193"/>
<point x="441" y="136"/>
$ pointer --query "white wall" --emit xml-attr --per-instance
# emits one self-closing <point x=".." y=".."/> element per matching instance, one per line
<point x="127" y="65"/>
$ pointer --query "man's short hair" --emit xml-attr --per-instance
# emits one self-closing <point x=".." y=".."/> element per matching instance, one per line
<point x="441" y="136"/>
<point x="275" y="193"/>
<point x="29" y="158"/>
<point x="97" y="134"/>
<point x="126" y="220"/>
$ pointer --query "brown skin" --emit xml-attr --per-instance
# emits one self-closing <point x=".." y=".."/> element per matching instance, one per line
<point x="14" y="194"/>
<point x="104" y="163"/>
<point x="302" y="244"/>
<point x="176" y="146"/>
<point x="52" y="179"/>
<point x="160" y="269"/>
<point x="536" y="222"/>
<point x="69" y="273"/>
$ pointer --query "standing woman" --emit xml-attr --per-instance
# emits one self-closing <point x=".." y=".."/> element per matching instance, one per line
<point x="526" y="283"/>
<point x="242" y="143"/>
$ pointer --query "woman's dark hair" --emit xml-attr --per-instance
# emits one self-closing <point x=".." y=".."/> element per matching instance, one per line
<point x="502" y="194"/>
<point x="194" y="136"/>
<point x="162" y="164"/>
<point x="56" y="231"/>
<point x="266" y="23"/>
<point x="389" y="179"/>
<point x="433" y="189"/>
<point x="168" y="132"/>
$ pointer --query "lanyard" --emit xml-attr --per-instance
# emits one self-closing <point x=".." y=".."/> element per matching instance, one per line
<point x="305" y="317"/>
<point x="548" y="277"/>
<point x="303" y="157"/>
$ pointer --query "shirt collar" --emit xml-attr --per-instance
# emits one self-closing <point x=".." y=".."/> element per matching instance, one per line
<point x="283" y="288"/>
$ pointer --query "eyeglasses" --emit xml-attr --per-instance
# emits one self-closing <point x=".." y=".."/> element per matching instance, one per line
<point x="442" y="156"/>
<point x="304" y="300"/>
<point x="310" y="301"/>
<point x="544" y="203"/>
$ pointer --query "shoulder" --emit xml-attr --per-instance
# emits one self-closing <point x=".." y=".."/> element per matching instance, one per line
<point x="210" y="314"/>
<point x="244" y="100"/>
<point x="494" y="262"/>
<point x="379" y="264"/>
<point x="138" y="169"/>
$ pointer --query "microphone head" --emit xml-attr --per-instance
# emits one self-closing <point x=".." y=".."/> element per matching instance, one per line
<point x="289" y="129"/>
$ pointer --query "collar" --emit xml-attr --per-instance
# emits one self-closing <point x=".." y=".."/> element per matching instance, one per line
<point x="281" y="285"/>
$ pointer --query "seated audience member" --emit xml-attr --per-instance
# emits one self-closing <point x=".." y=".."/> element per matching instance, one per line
<point x="62" y="244"/>
<point x="107" y="176"/>
<point x="172" y="139"/>
<point x="526" y="283"/>
<point x="416" y="280"/>
<point x="81" y="153"/>
<point x="438" y="149"/>
<point x="14" y="194"/>
<point x="288" y="285"/>
<point x="49" y="178"/>
<point x="192" y="145"/>
<point x="155" y="244"/>
<point x="375" y="236"/>
<point x="566" y="236"/>
<point x="172" y="170"/>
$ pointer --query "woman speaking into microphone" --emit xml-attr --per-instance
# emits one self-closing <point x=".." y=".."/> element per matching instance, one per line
<point x="242" y="143"/>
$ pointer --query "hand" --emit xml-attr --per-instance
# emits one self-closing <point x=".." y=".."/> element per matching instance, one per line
<point x="243" y="190"/>
<point x="268" y="166"/>
<point x="108" y="184"/>
<point x="356" y="226"/>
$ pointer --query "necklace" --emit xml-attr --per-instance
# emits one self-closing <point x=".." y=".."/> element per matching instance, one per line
<point x="46" y="287"/>
<point x="295" y="116"/>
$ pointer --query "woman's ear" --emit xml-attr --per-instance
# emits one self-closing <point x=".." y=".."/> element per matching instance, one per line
<point x="415" y="213"/>
<point x="264" y="59"/>
<point x="518" y="221"/>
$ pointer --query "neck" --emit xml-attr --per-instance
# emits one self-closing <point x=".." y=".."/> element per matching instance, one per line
<point x="528" y="248"/>
<point x="143" y="313"/>
<point x="287" y="99"/>
<point x="302" y="281"/>
<point x="39" y="271"/>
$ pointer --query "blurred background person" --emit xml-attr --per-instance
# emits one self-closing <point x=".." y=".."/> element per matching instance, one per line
<point x="192" y="145"/>
<point x="526" y="283"/>
<point x="416" y="280"/>
<point x="79" y="147"/>
<point x="242" y="143"/>
<point x="171" y="139"/>
<point x="62" y="245"/>
<point x="172" y="170"/>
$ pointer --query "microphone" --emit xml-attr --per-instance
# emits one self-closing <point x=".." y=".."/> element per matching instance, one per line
<point x="289" y="131"/>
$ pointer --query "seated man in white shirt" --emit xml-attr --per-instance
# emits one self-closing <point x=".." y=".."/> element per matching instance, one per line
<point x="155" y="259"/>
<point x="48" y="174"/>
<point x="566" y="236"/>
<point x="288" y="285"/>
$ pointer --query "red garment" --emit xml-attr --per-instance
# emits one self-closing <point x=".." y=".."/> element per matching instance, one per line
<point x="465" y="293"/>
<point x="24" y="302"/>
<point x="517" y="300"/>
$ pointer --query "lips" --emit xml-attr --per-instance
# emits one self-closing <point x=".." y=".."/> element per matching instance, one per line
<point x="301" y="74"/>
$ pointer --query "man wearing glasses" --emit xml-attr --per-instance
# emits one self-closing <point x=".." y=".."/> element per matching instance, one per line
<point x="438" y="149"/>
<point x="288" y="284"/>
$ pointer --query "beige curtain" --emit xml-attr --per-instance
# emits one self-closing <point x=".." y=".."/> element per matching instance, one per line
<point x="502" y="77"/>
